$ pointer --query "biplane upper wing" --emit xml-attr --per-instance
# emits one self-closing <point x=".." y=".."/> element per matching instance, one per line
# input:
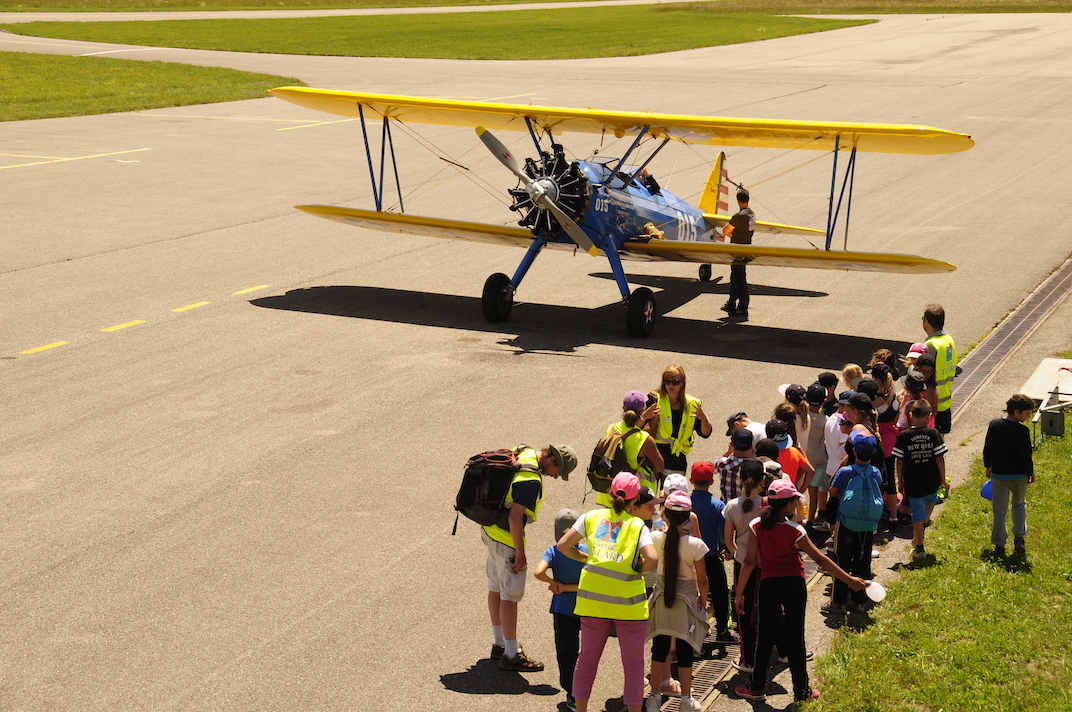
<point x="655" y="250"/>
<point x="761" y="133"/>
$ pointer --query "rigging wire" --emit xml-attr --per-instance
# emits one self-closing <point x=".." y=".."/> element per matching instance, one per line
<point x="460" y="169"/>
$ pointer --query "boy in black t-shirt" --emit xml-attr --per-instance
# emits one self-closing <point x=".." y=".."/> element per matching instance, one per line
<point x="920" y="456"/>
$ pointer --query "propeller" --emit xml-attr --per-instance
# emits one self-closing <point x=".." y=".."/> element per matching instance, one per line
<point x="537" y="191"/>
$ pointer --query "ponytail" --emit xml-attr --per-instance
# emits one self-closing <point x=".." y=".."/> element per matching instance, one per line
<point x="672" y="554"/>
<point x="751" y="482"/>
<point x="630" y="418"/>
<point x="620" y="504"/>
<point x="775" y="514"/>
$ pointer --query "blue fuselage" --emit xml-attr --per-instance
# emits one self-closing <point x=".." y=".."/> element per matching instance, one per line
<point x="620" y="207"/>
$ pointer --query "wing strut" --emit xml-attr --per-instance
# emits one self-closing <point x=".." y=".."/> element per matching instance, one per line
<point x="385" y="142"/>
<point x="653" y="155"/>
<point x="848" y="179"/>
<point x="636" y="142"/>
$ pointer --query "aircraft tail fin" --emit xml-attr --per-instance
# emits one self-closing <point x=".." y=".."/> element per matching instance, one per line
<point x="716" y="192"/>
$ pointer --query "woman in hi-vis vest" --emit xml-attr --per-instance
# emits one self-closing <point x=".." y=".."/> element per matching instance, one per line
<point x="611" y="592"/>
<point x="675" y="419"/>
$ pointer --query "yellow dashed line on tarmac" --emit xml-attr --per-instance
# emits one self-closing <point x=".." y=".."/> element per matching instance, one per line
<point x="322" y="123"/>
<point x="229" y="118"/>
<point x="46" y="347"/>
<point x="188" y="307"/>
<point x="19" y="155"/>
<point x="76" y="158"/>
<point x="127" y="325"/>
<point x="136" y="322"/>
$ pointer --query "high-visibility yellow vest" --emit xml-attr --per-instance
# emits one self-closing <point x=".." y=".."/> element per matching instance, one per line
<point x="686" y="434"/>
<point x="528" y="458"/>
<point x="632" y="446"/>
<point x="945" y="366"/>
<point x="609" y="586"/>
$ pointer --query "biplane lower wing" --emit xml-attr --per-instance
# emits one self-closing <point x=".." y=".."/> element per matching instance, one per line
<point x="421" y="225"/>
<point x="723" y="253"/>
<point x="654" y="250"/>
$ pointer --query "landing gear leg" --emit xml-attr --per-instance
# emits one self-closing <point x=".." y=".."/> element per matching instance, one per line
<point x="498" y="297"/>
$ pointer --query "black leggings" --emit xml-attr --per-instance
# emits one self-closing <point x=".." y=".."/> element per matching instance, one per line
<point x="782" y="601"/>
<point x="660" y="648"/>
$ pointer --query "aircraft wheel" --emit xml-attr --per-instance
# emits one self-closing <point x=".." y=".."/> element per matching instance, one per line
<point x="640" y="313"/>
<point x="498" y="298"/>
<point x="705" y="273"/>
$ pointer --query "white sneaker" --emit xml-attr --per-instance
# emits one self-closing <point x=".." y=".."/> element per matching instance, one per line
<point x="689" y="704"/>
<point x="655" y="701"/>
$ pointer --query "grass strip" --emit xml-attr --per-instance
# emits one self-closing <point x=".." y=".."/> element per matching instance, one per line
<point x="874" y="7"/>
<point x="51" y="86"/>
<point x="527" y="34"/>
<point x="797" y="7"/>
<point x="968" y="631"/>
<point x="184" y="5"/>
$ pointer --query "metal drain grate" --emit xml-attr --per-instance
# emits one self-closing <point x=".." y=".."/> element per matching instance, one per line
<point x="980" y="365"/>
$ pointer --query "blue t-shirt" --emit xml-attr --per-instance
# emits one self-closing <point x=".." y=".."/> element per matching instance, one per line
<point x="708" y="512"/>
<point x="566" y="571"/>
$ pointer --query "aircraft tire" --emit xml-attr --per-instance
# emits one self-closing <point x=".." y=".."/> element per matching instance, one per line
<point x="498" y="298"/>
<point x="640" y="313"/>
<point x="705" y="273"/>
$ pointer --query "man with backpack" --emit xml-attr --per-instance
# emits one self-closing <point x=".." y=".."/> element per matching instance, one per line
<point x="505" y="540"/>
<point x="856" y="496"/>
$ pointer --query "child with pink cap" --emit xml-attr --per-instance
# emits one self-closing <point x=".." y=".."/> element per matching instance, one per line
<point x="610" y="592"/>
<point x="774" y="543"/>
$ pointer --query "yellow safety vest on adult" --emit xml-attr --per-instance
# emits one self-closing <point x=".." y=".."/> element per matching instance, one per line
<point x="609" y="586"/>
<point x="686" y="434"/>
<point x="632" y="446"/>
<point x="941" y="345"/>
<point x="529" y="472"/>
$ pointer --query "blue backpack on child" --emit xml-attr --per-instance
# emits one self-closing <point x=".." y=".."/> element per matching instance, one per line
<point x="861" y="501"/>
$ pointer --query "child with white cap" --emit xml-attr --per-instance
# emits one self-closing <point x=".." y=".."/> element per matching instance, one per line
<point x="678" y="607"/>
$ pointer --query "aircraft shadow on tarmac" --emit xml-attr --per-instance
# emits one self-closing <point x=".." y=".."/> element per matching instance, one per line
<point x="487" y="678"/>
<point x="561" y="330"/>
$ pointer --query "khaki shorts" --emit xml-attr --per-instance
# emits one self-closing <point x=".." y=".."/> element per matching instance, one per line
<point x="501" y="578"/>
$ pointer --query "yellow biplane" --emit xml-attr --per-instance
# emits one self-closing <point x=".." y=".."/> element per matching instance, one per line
<point x="610" y="206"/>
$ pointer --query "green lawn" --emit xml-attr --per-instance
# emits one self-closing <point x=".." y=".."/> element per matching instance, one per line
<point x="875" y="7"/>
<point x="528" y="34"/>
<point x="733" y="6"/>
<point x="51" y="86"/>
<point x="968" y="631"/>
<point x="149" y="5"/>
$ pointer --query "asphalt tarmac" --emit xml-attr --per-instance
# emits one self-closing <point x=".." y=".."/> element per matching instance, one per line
<point x="244" y="500"/>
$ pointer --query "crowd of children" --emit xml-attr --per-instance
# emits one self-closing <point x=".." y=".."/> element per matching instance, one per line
<point x="850" y="454"/>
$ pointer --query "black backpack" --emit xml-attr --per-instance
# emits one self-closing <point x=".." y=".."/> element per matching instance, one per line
<point x="608" y="459"/>
<point x="485" y="484"/>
